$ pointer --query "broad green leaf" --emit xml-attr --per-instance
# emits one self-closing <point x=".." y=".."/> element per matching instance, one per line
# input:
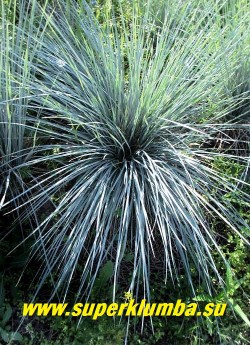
<point x="7" y="314"/>
<point x="239" y="311"/>
<point x="4" y="335"/>
<point x="16" y="336"/>
<point x="106" y="272"/>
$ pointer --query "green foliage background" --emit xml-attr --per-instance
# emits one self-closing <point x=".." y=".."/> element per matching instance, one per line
<point x="231" y="329"/>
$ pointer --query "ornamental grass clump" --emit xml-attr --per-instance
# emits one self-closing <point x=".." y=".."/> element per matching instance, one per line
<point x="126" y="123"/>
<point x="16" y="54"/>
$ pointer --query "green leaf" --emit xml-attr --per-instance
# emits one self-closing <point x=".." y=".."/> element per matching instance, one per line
<point x="129" y="257"/>
<point x="2" y="290"/>
<point x="203" y="298"/>
<point x="16" y="336"/>
<point x="209" y="324"/>
<point x="229" y="278"/>
<point x="231" y="284"/>
<point x="106" y="272"/>
<point x="7" y="314"/>
<point x="118" y="212"/>
<point x="239" y="311"/>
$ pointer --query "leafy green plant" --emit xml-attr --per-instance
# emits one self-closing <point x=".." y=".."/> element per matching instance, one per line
<point x="6" y="333"/>
<point x="226" y="296"/>
<point x="16" y="53"/>
<point x="67" y="330"/>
